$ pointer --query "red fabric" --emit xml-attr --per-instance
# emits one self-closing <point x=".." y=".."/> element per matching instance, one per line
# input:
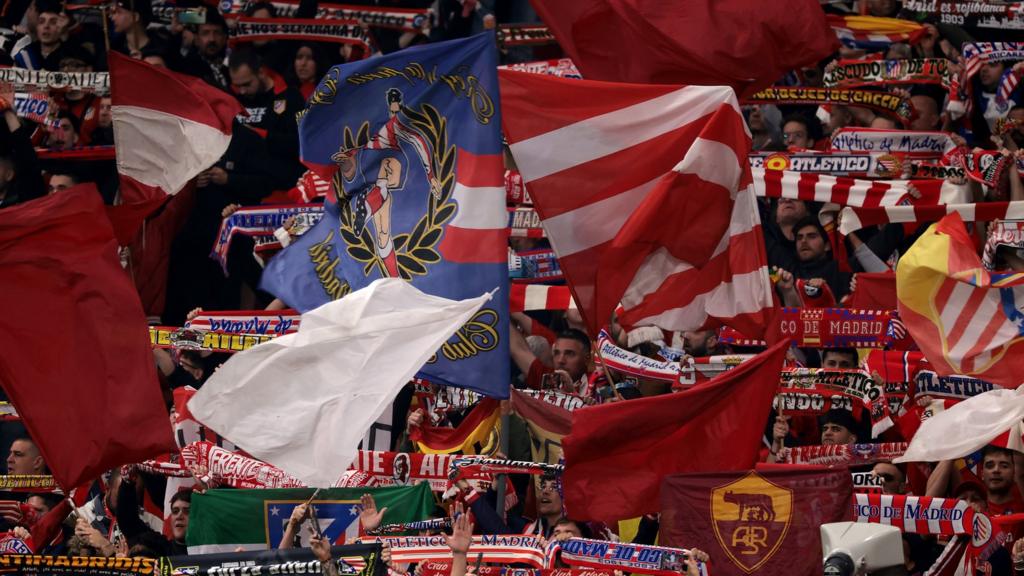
<point x="875" y="291"/>
<point x="47" y="530"/>
<point x="151" y="248"/>
<point x="659" y="182"/>
<point x="618" y="454"/>
<point x="135" y="83"/>
<point x="75" y="340"/>
<point x="783" y="507"/>
<point x="745" y="44"/>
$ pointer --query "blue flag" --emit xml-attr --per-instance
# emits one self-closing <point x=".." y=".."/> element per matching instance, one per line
<point x="411" y="142"/>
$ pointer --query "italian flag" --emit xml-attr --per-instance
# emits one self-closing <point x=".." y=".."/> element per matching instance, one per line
<point x="223" y="520"/>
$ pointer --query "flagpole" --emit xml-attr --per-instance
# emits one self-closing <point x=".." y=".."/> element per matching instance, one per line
<point x="106" y="28"/>
<point x="503" y="444"/>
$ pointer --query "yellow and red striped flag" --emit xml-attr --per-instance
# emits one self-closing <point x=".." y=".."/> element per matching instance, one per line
<point x="966" y="320"/>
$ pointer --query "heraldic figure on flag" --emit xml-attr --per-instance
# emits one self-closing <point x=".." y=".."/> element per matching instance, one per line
<point x="370" y="201"/>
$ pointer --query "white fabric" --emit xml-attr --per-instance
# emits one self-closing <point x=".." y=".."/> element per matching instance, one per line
<point x="303" y="401"/>
<point x="163" y="150"/>
<point x="612" y="132"/>
<point x="966" y="427"/>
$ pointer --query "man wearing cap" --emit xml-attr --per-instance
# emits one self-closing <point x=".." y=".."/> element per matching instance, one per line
<point x="43" y="54"/>
<point x="129" y="20"/>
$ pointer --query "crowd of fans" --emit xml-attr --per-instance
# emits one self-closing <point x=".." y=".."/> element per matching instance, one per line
<point x="172" y="269"/>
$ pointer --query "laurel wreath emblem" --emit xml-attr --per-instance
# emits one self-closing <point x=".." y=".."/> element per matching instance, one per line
<point x="417" y="249"/>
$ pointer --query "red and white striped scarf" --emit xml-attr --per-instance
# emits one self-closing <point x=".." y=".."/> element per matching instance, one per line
<point x="916" y="514"/>
<point x="857" y="218"/>
<point x="529" y="297"/>
<point x="275" y="322"/>
<point x="836" y="189"/>
<point x="224" y="467"/>
<point x="260" y="221"/>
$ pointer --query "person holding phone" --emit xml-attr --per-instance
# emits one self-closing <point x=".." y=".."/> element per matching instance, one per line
<point x="570" y="356"/>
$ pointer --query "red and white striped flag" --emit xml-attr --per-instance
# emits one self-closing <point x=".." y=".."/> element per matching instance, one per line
<point x="155" y="111"/>
<point x="645" y="195"/>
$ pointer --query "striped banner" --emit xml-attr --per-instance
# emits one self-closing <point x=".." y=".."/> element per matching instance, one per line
<point x="272" y="322"/>
<point x="832" y="189"/>
<point x="526" y="297"/>
<point x="916" y="514"/>
<point x="857" y="218"/>
<point x="489" y="548"/>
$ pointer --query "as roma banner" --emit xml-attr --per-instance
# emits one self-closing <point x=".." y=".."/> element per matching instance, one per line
<point x="765" y="521"/>
<point x="354" y="559"/>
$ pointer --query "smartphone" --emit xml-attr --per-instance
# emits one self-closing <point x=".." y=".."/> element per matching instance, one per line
<point x="191" y="16"/>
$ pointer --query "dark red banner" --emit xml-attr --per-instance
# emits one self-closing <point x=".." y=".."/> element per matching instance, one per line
<point x="765" y="521"/>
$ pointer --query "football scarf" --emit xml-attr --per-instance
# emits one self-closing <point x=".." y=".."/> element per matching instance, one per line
<point x="854" y="73"/>
<point x="889" y="103"/>
<point x="846" y="454"/>
<point x="852" y="383"/>
<point x="632" y="558"/>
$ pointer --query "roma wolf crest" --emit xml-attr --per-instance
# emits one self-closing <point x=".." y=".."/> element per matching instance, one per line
<point x="378" y="172"/>
<point x="751" y="517"/>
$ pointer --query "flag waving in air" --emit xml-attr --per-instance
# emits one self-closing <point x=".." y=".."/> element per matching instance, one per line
<point x="645" y="193"/>
<point x="155" y="111"/>
<point x="412" y="144"/>
<point x="966" y="320"/>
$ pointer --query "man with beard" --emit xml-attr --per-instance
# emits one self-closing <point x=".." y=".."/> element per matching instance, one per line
<point x="271" y="112"/>
<point x="549" y="511"/>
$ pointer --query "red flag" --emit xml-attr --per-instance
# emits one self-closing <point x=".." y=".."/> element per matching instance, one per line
<point x="155" y="111"/>
<point x="76" y="362"/>
<point x="617" y="454"/>
<point x="744" y="44"/>
<point x="765" y="521"/>
<point x="646" y="196"/>
<point x="875" y="291"/>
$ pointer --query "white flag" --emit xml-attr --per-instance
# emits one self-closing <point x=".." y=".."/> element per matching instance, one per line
<point x="967" y="427"/>
<point x="303" y="401"/>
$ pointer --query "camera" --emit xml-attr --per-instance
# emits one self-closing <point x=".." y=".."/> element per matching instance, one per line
<point x="859" y="549"/>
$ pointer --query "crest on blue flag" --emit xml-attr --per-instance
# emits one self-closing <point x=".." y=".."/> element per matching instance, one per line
<point x="411" y="142"/>
<point x="338" y="519"/>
